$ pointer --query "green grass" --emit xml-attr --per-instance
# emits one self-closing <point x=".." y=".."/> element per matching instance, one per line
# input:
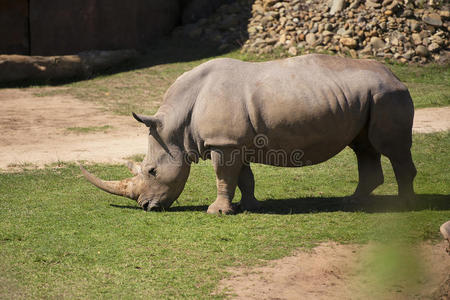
<point x="90" y="129"/>
<point x="142" y="88"/>
<point x="61" y="237"/>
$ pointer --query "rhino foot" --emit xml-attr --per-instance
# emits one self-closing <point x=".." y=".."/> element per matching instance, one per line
<point x="221" y="206"/>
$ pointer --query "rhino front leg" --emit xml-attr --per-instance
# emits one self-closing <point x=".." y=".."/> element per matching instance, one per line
<point x="369" y="166"/>
<point x="227" y="168"/>
<point x="246" y="184"/>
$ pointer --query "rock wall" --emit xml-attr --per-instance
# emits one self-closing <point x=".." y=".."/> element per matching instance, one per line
<point x="226" y="27"/>
<point x="392" y="29"/>
<point x="401" y="30"/>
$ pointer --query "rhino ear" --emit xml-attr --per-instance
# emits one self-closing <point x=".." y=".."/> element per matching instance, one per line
<point x="149" y="121"/>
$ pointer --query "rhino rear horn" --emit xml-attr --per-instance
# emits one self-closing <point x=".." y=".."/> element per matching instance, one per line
<point x="126" y="188"/>
<point x="149" y="121"/>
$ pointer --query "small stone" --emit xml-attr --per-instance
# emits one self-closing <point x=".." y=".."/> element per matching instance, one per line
<point x="257" y="8"/>
<point x="337" y="6"/>
<point x="371" y="4"/>
<point x="388" y="12"/>
<point x="354" y="4"/>
<point x="437" y="39"/>
<point x="432" y="19"/>
<point x="310" y="39"/>
<point x="394" y="6"/>
<point x="413" y="24"/>
<point x="433" y="47"/>
<point x="410" y="53"/>
<point x="251" y="30"/>
<point x="445" y="13"/>
<point x="417" y="39"/>
<point x="292" y="51"/>
<point x="422" y="51"/>
<point x="271" y="41"/>
<point x="348" y="42"/>
<point x="377" y="43"/>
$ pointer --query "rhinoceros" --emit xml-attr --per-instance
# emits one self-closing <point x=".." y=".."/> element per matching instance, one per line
<point x="289" y="113"/>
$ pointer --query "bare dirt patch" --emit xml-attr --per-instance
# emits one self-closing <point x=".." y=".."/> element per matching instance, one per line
<point x="427" y="120"/>
<point x="43" y="130"/>
<point x="333" y="271"/>
<point x="37" y="130"/>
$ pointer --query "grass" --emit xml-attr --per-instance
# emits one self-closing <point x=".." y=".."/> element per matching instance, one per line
<point x="61" y="237"/>
<point x="90" y="129"/>
<point x="141" y="88"/>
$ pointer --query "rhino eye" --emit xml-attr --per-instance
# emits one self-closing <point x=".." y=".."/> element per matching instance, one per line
<point x="152" y="171"/>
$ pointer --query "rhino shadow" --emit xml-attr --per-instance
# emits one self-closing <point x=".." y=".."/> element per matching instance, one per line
<point x="372" y="204"/>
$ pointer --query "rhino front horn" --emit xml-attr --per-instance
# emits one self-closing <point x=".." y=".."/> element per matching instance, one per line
<point x="126" y="188"/>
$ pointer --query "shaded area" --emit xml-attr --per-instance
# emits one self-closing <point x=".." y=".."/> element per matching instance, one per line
<point x="14" y="27"/>
<point x="61" y="70"/>
<point x="81" y="25"/>
<point x="156" y="38"/>
<point x="373" y="204"/>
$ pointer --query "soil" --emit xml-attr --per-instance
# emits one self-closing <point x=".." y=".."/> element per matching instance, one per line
<point x="36" y="130"/>
<point x="333" y="271"/>
<point x="428" y="120"/>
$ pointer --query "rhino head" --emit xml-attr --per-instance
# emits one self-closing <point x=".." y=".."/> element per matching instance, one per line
<point x="161" y="177"/>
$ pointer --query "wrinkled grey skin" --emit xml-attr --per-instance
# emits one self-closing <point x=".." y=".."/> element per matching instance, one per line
<point x="314" y="103"/>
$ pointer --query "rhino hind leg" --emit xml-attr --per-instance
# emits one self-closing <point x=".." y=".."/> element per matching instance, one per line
<point x="227" y="168"/>
<point x="404" y="171"/>
<point x="246" y="184"/>
<point x="369" y="166"/>
<point x="390" y="132"/>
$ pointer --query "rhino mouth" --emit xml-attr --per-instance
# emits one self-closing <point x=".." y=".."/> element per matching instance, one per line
<point x="153" y="203"/>
<point x="151" y="206"/>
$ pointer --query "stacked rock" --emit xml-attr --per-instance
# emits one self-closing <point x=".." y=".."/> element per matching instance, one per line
<point x="374" y="28"/>
<point x="226" y="27"/>
<point x="401" y="30"/>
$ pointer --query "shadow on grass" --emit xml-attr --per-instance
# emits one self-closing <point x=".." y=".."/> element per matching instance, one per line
<point x="373" y="204"/>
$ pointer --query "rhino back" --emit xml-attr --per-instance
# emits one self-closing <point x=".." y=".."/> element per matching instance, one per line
<point x="315" y="103"/>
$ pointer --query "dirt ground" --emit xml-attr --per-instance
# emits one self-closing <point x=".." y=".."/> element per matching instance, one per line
<point x="35" y="130"/>
<point x="332" y="271"/>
